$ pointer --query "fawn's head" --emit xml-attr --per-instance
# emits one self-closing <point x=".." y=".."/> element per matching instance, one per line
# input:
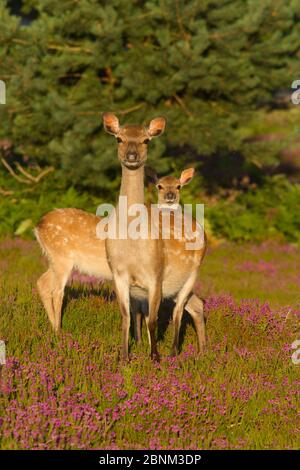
<point x="169" y="186"/>
<point x="133" y="140"/>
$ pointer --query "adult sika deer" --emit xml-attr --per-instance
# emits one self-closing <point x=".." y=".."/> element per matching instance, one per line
<point x="135" y="262"/>
<point x="148" y="269"/>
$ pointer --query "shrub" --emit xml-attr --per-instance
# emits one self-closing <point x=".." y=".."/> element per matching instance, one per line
<point x="209" y="67"/>
<point x="256" y="215"/>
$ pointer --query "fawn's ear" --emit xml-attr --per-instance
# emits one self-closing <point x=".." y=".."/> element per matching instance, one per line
<point x="156" y="127"/>
<point x="111" y="123"/>
<point x="186" y="176"/>
<point x="151" y="174"/>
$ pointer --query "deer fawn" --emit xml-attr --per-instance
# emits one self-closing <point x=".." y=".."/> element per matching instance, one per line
<point x="169" y="195"/>
<point x="147" y="269"/>
<point x="68" y="239"/>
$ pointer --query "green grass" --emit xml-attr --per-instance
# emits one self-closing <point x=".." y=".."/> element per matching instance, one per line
<point x="71" y="391"/>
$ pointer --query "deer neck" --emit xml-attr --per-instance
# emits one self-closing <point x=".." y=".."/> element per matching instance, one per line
<point x="132" y="185"/>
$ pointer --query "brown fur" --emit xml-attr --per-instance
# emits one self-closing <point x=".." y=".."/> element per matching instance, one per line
<point x="149" y="269"/>
<point x="68" y="238"/>
<point x="135" y="263"/>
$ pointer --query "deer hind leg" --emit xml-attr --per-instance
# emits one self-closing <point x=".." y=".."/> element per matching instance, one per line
<point x="144" y="309"/>
<point x="195" y="308"/>
<point x="45" y="285"/>
<point x="142" y="312"/>
<point x="51" y="287"/>
<point x="136" y="310"/>
<point x="181" y="300"/>
<point x="62" y="270"/>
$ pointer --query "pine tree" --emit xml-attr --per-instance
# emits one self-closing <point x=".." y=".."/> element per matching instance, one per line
<point x="208" y="66"/>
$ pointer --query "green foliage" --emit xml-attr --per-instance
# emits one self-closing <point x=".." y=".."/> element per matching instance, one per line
<point x="21" y="210"/>
<point x="256" y="215"/>
<point x="208" y="66"/>
<point x="211" y="68"/>
<point x="271" y="211"/>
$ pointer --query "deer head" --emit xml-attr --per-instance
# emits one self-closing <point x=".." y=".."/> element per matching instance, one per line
<point x="133" y="140"/>
<point x="169" y="186"/>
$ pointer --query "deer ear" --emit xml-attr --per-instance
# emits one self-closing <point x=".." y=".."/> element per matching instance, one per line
<point x="186" y="176"/>
<point x="151" y="174"/>
<point x="156" y="127"/>
<point x="111" y="123"/>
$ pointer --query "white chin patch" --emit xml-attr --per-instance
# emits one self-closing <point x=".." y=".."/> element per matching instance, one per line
<point x="170" y="207"/>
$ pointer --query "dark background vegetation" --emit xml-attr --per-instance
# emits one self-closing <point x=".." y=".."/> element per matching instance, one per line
<point x="219" y="71"/>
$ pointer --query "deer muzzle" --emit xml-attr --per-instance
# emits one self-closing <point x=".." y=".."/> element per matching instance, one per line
<point x="170" y="197"/>
<point x="132" y="157"/>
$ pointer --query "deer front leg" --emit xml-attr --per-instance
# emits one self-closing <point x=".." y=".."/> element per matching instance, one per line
<point x="122" y="292"/>
<point x="154" y="300"/>
<point x="196" y="309"/>
<point x="181" y="300"/>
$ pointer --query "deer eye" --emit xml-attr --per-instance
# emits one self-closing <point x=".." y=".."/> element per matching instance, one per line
<point x="119" y="140"/>
<point x="178" y="187"/>
<point x="159" y="187"/>
<point x="146" y="141"/>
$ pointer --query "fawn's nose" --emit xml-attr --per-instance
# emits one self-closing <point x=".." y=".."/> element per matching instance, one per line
<point x="170" y="196"/>
<point x="132" y="157"/>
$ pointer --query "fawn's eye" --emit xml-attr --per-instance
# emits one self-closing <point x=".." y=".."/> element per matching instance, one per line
<point x="146" y="141"/>
<point x="178" y="187"/>
<point x="159" y="187"/>
<point x="119" y="140"/>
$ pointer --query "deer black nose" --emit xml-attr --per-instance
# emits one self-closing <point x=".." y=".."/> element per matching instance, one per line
<point x="132" y="156"/>
<point x="170" y="196"/>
